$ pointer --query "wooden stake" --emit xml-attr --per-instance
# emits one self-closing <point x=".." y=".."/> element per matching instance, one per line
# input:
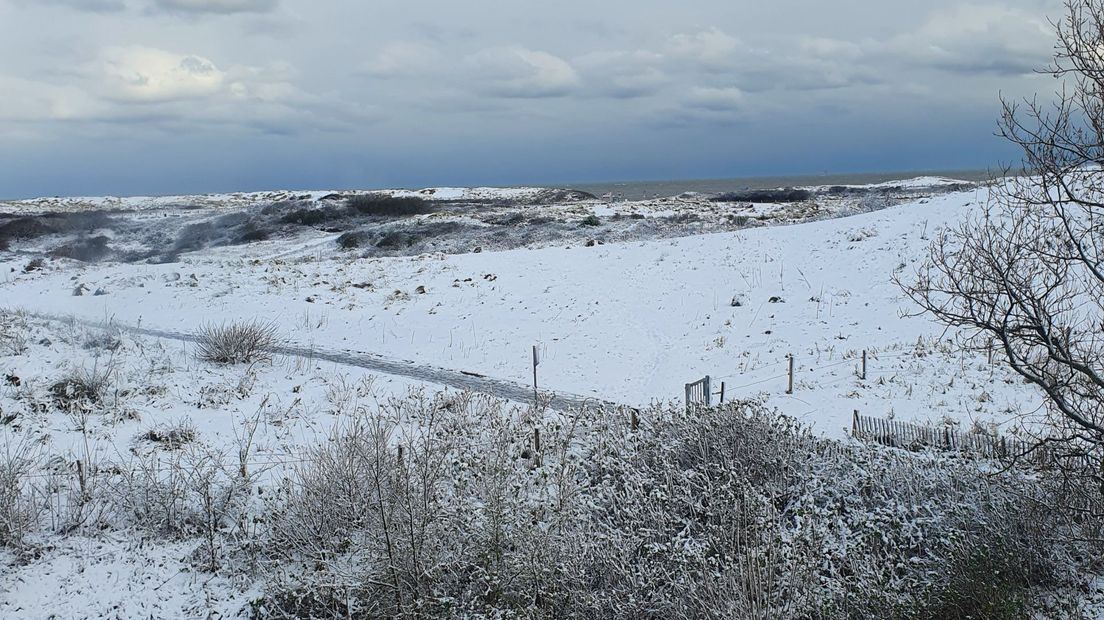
<point x="789" y="390"/>
<point x="536" y="446"/>
<point x="863" y="376"/>
<point x="722" y="392"/>
<point x="81" y="479"/>
<point x="855" y="424"/>
<point x="536" y="397"/>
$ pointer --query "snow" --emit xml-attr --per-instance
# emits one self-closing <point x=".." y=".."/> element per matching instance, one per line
<point x="629" y="322"/>
<point x="624" y="322"/>
<point x="116" y="577"/>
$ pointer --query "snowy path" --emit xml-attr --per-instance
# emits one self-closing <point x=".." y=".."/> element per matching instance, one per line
<point x="499" y="388"/>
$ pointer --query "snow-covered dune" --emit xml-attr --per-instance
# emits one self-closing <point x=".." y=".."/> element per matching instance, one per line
<point x="630" y="322"/>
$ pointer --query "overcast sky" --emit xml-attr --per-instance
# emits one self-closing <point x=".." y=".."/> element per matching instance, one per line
<point x="174" y="96"/>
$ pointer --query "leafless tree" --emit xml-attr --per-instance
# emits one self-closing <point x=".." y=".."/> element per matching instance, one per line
<point x="1026" y="274"/>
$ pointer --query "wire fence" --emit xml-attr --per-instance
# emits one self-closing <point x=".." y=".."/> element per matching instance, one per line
<point x="799" y="369"/>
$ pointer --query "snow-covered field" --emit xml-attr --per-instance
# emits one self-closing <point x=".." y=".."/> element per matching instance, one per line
<point x="629" y="322"/>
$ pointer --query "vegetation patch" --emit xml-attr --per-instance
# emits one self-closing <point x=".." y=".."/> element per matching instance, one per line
<point x="84" y="250"/>
<point x="236" y="343"/>
<point x="767" y="196"/>
<point x="387" y="205"/>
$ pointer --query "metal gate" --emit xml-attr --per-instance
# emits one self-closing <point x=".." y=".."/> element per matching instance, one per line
<point x="699" y="393"/>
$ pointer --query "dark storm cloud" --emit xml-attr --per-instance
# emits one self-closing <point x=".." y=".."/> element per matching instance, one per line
<point x="538" y="91"/>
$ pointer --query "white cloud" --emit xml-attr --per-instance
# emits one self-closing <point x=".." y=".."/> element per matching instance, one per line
<point x="151" y="87"/>
<point x="712" y="48"/>
<point x="973" y="38"/>
<point x="223" y="7"/>
<point x="142" y="74"/>
<point x="521" y="73"/>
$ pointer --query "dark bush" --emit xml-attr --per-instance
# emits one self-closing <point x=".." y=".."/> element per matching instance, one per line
<point x="511" y="219"/>
<point x="437" y="229"/>
<point x="351" y="240"/>
<point x="397" y="239"/>
<point x="83" y="221"/>
<point x="230" y="220"/>
<point x="305" y="217"/>
<point x="788" y="194"/>
<point x="560" y="196"/>
<point x="383" y="204"/>
<point x="591" y="220"/>
<point x="250" y="233"/>
<point x="196" y="236"/>
<point x="283" y="206"/>
<point x="84" y="250"/>
<point x="25" y="228"/>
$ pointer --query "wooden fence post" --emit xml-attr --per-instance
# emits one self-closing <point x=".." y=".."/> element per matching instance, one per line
<point x="789" y="389"/>
<point x="855" y="424"/>
<point x="722" y="392"/>
<point x="536" y="360"/>
<point x="81" y="480"/>
<point x="863" y="376"/>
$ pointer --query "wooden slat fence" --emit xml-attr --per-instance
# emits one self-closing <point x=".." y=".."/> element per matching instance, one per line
<point x="908" y="436"/>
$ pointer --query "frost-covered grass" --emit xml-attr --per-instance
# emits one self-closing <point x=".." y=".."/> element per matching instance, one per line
<point x="277" y="486"/>
<point x="443" y="505"/>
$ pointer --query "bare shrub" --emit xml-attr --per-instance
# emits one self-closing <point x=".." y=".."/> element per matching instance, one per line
<point x="82" y="392"/>
<point x="197" y="492"/>
<point x="236" y="343"/>
<point x="35" y="264"/>
<point x="109" y="338"/>
<point x="171" y="436"/>
<point x="446" y="506"/>
<point x="14" y="333"/>
<point x="429" y="506"/>
<point x="18" y="512"/>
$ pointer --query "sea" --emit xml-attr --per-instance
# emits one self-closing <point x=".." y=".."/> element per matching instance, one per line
<point x="635" y="190"/>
